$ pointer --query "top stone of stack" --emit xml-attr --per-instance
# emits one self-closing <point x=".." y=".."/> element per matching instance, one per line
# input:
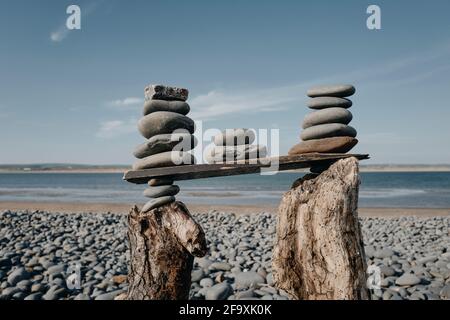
<point x="161" y="92"/>
<point x="338" y="91"/>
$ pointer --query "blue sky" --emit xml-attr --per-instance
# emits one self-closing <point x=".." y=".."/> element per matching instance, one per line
<point x="75" y="96"/>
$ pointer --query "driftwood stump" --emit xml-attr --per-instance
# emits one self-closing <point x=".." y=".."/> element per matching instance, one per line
<point x="319" y="252"/>
<point x="163" y="243"/>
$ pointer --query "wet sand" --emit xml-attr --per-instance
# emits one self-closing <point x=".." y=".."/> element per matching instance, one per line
<point x="238" y="209"/>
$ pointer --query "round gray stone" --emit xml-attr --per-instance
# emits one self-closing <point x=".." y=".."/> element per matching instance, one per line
<point x="164" y="159"/>
<point x="165" y="142"/>
<point x="220" y="266"/>
<point x="445" y="292"/>
<point x="329" y="115"/>
<point x="328" y="102"/>
<point x="383" y="253"/>
<point x="327" y="131"/>
<point x="34" y="296"/>
<point x="161" y="122"/>
<point x="219" y="291"/>
<point x="158" y="202"/>
<point x="206" y="282"/>
<point x="161" y="191"/>
<point x="197" y="275"/>
<point x="248" y="279"/>
<point x="159" y="182"/>
<point x="340" y="90"/>
<point x="109" y="295"/>
<point x="18" y="275"/>
<point x="408" y="279"/>
<point x="234" y="137"/>
<point x="220" y="154"/>
<point x="180" y="107"/>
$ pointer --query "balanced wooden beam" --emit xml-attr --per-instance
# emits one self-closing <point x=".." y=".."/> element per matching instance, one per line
<point x="200" y="171"/>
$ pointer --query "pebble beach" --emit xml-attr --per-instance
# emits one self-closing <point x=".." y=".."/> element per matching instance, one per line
<point x="412" y="255"/>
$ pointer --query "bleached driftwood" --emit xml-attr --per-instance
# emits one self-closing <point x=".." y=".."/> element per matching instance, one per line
<point x="319" y="252"/>
<point x="163" y="243"/>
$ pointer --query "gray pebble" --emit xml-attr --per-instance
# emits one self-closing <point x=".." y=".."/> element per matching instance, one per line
<point x="165" y="142"/>
<point x="328" y="102"/>
<point x="340" y="90"/>
<point x="329" y="115"/>
<point x="161" y="191"/>
<point x="248" y="279"/>
<point x="162" y="122"/>
<point x="219" y="291"/>
<point x="164" y="105"/>
<point x="158" y="202"/>
<point x="164" y="159"/>
<point x="327" y="131"/>
<point x="17" y="275"/>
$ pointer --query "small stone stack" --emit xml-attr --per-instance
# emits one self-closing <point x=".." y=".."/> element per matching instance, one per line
<point x="326" y="130"/>
<point x="232" y="145"/>
<point x="165" y="126"/>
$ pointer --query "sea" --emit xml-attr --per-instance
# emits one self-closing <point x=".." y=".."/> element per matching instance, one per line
<point x="378" y="189"/>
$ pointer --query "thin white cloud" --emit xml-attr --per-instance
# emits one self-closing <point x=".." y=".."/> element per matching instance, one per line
<point x="220" y="103"/>
<point x="126" y="102"/>
<point x="60" y="34"/>
<point x="115" y="128"/>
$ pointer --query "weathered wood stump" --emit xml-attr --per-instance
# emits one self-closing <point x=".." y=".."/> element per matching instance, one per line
<point x="319" y="252"/>
<point x="163" y="243"/>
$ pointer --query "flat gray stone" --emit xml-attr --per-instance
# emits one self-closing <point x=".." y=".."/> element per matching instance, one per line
<point x="161" y="191"/>
<point x="165" y="142"/>
<point x="327" y="131"/>
<point x="180" y="107"/>
<point x="161" y="92"/>
<point x="324" y="145"/>
<point x="408" y="279"/>
<point x="161" y="122"/>
<point x="206" y="282"/>
<point x="82" y="296"/>
<point x="164" y="159"/>
<point x="220" y="266"/>
<point x="328" y="102"/>
<point x="34" y="296"/>
<point x="445" y="292"/>
<point x="18" y="275"/>
<point x="244" y="280"/>
<point x="329" y="115"/>
<point x="197" y="275"/>
<point x="219" y="291"/>
<point x="158" y="202"/>
<point x="159" y="182"/>
<point x="109" y="295"/>
<point x="234" y="137"/>
<point x="225" y="154"/>
<point x="340" y="90"/>
<point x="384" y="253"/>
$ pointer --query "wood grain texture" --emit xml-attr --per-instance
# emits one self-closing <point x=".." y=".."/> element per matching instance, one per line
<point x="163" y="243"/>
<point x="200" y="171"/>
<point x="319" y="252"/>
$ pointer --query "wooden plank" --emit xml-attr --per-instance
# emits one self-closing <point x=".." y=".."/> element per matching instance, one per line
<point x="201" y="171"/>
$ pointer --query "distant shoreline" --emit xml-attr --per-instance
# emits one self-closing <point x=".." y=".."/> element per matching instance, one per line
<point x="369" y="168"/>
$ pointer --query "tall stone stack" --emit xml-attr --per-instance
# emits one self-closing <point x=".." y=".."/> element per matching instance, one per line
<point x="169" y="134"/>
<point x="232" y="145"/>
<point x="326" y="129"/>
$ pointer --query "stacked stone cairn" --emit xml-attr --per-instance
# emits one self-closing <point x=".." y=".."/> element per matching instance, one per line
<point x="233" y="145"/>
<point x="326" y="129"/>
<point x="169" y="136"/>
